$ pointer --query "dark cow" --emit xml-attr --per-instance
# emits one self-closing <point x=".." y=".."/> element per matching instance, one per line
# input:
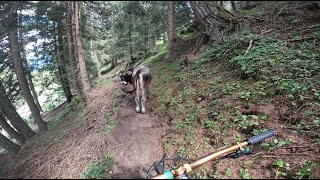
<point x="140" y="78"/>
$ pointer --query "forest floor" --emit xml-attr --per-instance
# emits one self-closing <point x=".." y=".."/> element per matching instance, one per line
<point x="111" y="130"/>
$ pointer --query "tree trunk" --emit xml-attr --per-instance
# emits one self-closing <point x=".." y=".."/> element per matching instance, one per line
<point x="93" y="52"/>
<point x="72" y="52"/>
<point x="28" y="73"/>
<point x="80" y="53"/>
<point x="17" y="61"/>
<point x="234" y="8"/>
<point x="10" y="112"/>
<point x="112" y="63"/>
<point x="246" y="4"/>
<point x="242" y="3"/>
<point x="26" y="66"/>
<point x="9" y="145"/>
<point x="171" y="28"/>
<point x="115" y="61"/>
<point x="62" y="68"/>
<point x="153" y="40"/>
<point x="13" y="133"/>
<point x="145" y="39"/>
<point x="197" y="19"/>
<point x="216" y="20"/>
<point x="62" y="74"/>
<point x="221" y="3"/>
<point x="130" y="38"/>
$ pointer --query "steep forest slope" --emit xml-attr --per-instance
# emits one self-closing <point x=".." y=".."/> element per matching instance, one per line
<point x="264" y="76"/>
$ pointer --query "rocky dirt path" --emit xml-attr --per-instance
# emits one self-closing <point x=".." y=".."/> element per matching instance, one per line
<point x="136" y="139"/>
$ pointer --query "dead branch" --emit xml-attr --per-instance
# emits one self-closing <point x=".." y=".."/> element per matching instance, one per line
<point x="255" y="38"/>
<point x="281" y="10"/>
<point x="115" y="146"/>
<point x="249" y="47"/>
<point x="301" y="39"/>
<point x="307" y="27"/>
<point x="288" y="154"/>
<point x="48" y="147"/>
<point x="264" y="32"/>
<point x="250" y="17"/>
<point x="291" y="147"/>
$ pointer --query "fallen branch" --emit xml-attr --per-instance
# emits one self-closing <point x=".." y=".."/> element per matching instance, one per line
<point x="265" y="32"/>
<point x="306" y="38"/>
<point x="255" y="38"/>
<point x="250" y="17"/>
<point x="287" y="154"/>
<point x="115" y="146"/>
<point x="194" y="150"/>
<point x="294" y="147"/>
<point x="308" y="27"/>
<point x="48" y="147"/>
<point x="249" y="47"/>
<point x="112" y="76"/>
<point x="281" y="10"/>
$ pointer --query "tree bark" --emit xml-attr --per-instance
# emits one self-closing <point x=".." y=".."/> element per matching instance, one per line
<point x="72" y="52"/>
<point x="130" y="43"/>
<point x="29" y="76"/>
<point x="197" y="19"/>
<point x="61" y="66"/>
<point x="80" y="53"/>
<point x="145" y="39"/>
<point x="26" y="66"/>
<point x="153" y="42"/>
<point x="10" y="112"/>
<point x="13" y="133"/>
<point x="17" y="61"/>
<point x="221" y="3"/>
<point x="64" y="78"/>
<point x="9" y="145"/>
<point x="171" y="28"/>
<point x="242" y="4"/>
<point x="246" y="4"/>
<point x="216" y="20"/>
<point x="233" y="4"/>
<point x="93" y="52"/>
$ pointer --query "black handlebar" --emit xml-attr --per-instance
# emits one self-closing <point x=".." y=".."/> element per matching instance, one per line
<point x="260" y="137"/>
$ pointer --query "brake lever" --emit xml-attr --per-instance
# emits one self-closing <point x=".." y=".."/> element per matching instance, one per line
<point x="237" y="154"/>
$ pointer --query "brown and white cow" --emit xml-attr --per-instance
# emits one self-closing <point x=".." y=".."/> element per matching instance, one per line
<point x="140" y="78"/>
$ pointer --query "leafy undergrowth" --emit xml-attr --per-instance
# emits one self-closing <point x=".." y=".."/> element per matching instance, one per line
<point x="225" y="96"/>
<point x="96" y="170"/>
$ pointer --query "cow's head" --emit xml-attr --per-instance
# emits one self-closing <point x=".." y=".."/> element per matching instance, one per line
<point x="125" y="76"/>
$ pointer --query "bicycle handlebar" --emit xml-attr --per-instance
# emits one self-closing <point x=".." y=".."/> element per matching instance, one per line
<point x="260" y="137"/>
<point x="186" y="168"/>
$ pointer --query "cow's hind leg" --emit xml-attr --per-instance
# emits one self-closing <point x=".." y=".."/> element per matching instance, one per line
<point x="143" y="98"/>
<point x="137" y="96"/>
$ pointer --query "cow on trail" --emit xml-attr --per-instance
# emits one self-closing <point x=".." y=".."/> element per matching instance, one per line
<point x="140" y="78"/>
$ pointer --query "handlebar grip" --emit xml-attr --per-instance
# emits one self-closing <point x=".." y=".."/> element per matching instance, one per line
<point x="261" y="137"/>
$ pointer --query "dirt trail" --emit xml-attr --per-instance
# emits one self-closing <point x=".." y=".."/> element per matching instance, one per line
<point x="135" y="138"/>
